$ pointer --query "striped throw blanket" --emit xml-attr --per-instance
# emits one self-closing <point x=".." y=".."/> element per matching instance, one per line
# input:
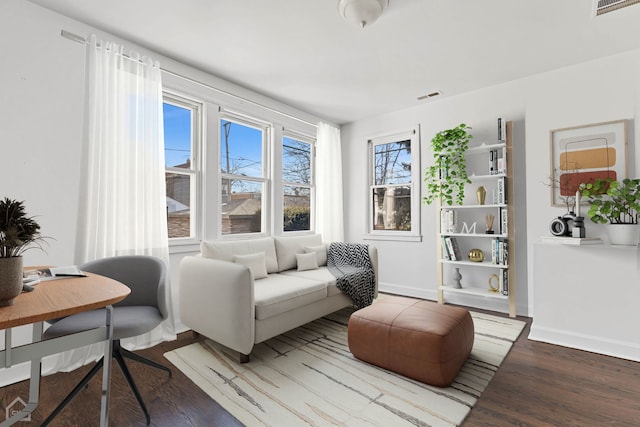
<point x="351" y="265"/>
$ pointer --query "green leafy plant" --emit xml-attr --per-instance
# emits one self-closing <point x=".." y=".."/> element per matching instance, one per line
<point x="18" y="232"/>
<point x="296" y="218"/>
<point x="446" y="178"/>
<point x="615" y="202"/>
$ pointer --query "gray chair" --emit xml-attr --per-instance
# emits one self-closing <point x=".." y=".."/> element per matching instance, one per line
<point x="137" y="314"/>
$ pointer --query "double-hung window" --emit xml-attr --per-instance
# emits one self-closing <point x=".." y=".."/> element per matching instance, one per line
<point x="182" y="122"/>
<point x="244" y="172"/>
<point x="297" y="182"/>
<point x="394" y="185"/>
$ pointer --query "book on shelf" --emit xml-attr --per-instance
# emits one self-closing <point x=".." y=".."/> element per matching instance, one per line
<point x="447" y="221"/>
<point x="504" y="221"/>
<point x="491" y="162"/>
<point x="502" y="129"/>
<point x="500" y="251"/>
<point x="452" y="248"/>
<point x="445" y="249"/>
<point x="502" y="191"/>
<point x="501" y="163"/>
<point x="504" y="282"/>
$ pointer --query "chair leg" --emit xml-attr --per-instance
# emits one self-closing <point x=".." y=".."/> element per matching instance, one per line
<point x="125" y="371"/>
<point x="133" y="356"/>
<point x="73" y="393"/>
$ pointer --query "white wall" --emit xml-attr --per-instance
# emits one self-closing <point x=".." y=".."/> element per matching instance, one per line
<point x="598" y="91"/>
<point x="41" y="119"/>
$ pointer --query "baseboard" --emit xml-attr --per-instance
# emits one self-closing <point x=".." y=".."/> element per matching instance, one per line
<point x="15" y="374"/>
<point x="407" y="291"/>
<point x="591" y="343"/>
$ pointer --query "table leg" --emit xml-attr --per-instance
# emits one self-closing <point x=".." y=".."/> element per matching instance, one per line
<point x="106" y="368"/>
<point x="34" y="381"/>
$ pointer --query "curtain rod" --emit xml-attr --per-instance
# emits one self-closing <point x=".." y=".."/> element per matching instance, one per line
<point x="79" y="39"/>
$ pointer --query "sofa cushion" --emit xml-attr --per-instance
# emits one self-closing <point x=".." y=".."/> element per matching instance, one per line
<point x="307" y="261"/>
<point x="287" y="247"/>
<point x="255" y="262"/>
<point x="322" y="274"/>
<point x="320" y="251"/>
<point x="279" y="293"/>
<point x="225" y="250"/>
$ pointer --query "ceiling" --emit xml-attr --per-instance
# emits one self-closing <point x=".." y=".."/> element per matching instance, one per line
<point x="302" y="52"/>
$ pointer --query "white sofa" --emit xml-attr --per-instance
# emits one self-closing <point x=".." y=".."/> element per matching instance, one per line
<point x="224" y="296"/>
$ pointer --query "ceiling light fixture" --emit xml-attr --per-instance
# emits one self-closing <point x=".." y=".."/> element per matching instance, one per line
<point x="362" y="12"/>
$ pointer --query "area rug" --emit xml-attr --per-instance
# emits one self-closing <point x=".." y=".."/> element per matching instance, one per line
<point x="308" y="377"/>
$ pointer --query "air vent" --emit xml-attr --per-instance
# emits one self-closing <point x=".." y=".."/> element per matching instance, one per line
<point x="606" y="6"/>
<point x="432" y="94"/>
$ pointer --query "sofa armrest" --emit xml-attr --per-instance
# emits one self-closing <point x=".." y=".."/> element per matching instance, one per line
<point x="373" y="257"/>
<point x="217" y="301"/>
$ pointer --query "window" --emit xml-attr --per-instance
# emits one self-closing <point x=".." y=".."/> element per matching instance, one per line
<point x="243" y="176"/>
<point x="297" y="178"/>
<point x="394" y="195"/>
<point x="181" y="130"/>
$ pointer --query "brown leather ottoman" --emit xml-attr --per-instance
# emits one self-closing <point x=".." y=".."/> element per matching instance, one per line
<point x="419" y="339"/>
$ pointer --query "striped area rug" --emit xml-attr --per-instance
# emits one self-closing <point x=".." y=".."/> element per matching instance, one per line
<point x="308" y="377"/>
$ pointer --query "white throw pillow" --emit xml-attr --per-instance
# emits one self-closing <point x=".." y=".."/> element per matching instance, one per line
<point x="307" y="261"/>
<point x="320" y="251"/>
<point x="255" y="262"/>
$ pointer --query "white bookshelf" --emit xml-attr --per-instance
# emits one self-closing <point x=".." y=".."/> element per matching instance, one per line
<point x="475" y="275"/>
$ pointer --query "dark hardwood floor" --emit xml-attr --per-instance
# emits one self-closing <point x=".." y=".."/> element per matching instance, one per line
<point x="537" y="385"/>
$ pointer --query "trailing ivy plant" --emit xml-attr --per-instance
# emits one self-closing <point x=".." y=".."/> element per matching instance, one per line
<point x="446" y="178"/>
<point x="612" y="201"/>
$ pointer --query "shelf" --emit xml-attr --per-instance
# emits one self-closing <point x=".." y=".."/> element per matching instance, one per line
<point x="475" y="264"/>
<point x="571" y="240"/>
<point x="502" y="236"/>
<point x="486" y="177"/>
<point x="474" y="291"/>
<point x="501" y="205"/>
<point x="484" y="147"/>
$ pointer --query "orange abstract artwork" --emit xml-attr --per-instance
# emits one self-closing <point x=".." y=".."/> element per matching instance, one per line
<point x="585" y="153"/>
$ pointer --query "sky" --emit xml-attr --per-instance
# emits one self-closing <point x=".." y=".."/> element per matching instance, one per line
<point x="244" y="143"/>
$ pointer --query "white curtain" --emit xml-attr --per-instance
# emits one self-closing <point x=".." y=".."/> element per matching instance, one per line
<point x="329" y="210"/>
<point x="122" y="208"/>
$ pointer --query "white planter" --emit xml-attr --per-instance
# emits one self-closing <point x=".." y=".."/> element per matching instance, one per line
<point x="624" y="234"/>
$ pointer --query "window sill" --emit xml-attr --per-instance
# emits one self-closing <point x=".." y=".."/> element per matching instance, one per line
<point x="184" y="246"/>
<point x="393" y="237"/>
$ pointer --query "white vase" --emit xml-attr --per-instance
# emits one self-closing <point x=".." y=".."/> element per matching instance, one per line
<point x="10" y="279"/>
<point x="624" y="234"/>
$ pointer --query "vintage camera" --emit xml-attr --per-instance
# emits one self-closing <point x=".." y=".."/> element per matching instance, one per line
<point x="568" y="225"/>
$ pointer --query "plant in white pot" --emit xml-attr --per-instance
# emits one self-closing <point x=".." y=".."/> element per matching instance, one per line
<point x="18" y="233"/>
<point x="616" y="203"/>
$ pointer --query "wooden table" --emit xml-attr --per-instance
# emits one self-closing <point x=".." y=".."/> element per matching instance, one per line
<point x="52" y="299"/>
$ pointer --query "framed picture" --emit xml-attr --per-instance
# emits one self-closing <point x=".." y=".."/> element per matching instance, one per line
<point x="585" y="153"/>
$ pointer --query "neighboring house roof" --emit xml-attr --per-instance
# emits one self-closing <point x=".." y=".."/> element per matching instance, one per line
<point x="174" y="206"/>
<point x="241" y="207"/>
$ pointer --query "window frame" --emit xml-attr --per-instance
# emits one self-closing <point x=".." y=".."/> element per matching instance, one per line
<point x="265" y="180"/>
<point x="414" y="234"/>
<point x="300" y="137"/>
<point x="194" y="172"/>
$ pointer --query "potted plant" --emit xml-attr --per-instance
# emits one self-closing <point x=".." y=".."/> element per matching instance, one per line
<point x="616" y="203"/>
<point x="446" y="178"/>
<point x="18" y="233"/>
